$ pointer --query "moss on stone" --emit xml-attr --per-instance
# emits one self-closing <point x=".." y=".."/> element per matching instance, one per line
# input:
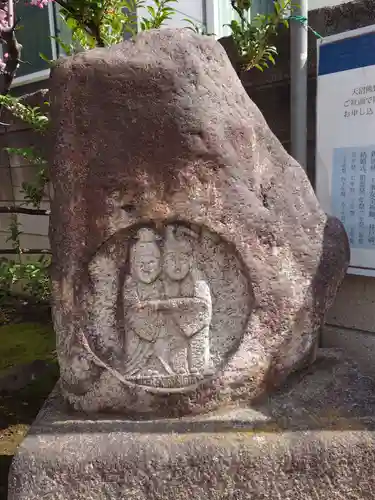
<point x="25" y="342"/>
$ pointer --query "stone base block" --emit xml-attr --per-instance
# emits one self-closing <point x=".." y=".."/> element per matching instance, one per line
<point x="358" y="344"/>
<point x="312" y="440"/>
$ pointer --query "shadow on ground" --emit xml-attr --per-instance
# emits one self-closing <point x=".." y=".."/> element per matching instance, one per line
<point x="28" y="373"/>
<point x="5" y="461"/>
<point x="17" y="412"/>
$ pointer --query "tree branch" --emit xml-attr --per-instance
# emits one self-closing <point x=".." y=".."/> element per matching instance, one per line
<point x="90" y="26"/>
<point x="11" y="48"/>
<point x="22" y="210"/>
<point x="95" y="31"/>
<point x="24" y="251"/>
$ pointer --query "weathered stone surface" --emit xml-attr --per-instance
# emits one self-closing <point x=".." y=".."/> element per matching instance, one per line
<point x="192" y="263"/>
<point x="312" y="440"/>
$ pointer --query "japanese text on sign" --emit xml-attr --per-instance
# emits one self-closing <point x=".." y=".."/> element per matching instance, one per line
<point x="353" y="193"/>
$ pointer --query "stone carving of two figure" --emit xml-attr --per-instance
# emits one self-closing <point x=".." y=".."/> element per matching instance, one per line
<point x="168" y="309"/>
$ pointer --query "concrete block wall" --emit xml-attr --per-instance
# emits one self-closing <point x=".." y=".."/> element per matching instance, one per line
<point x="6" y="195"/>
<point x="14" y="170"/>
<point x="351" y="321"/>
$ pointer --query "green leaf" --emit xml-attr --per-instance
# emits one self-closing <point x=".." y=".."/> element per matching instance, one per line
<point x="45" y="58"/>
<point x="233" y="24"/>
<point x="67" y="48"/>
<point x="151" y="11"/>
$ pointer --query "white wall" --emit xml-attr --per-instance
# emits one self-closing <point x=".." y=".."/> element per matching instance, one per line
<point x="216" y="13"/>
<point x="318" y="4"/>
<point x="192" y="9"/>
<point x="213" y="14"/>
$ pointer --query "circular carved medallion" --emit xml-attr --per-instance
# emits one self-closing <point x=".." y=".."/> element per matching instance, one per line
<point x="168" y="306"/>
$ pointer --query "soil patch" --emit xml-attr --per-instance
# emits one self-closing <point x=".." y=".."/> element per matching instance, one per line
<point x="28" y="373"/>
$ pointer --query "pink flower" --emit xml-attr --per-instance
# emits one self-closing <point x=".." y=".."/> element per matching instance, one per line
<point x="3" y="19"/>
<point x="40" y="3"/>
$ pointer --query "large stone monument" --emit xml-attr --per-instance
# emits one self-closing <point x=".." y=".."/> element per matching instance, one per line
<point x="192" y="269"/>
<point x="192" y="262"/>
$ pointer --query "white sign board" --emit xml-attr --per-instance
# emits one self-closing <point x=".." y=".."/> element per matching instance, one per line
<point x="345" y="145"/>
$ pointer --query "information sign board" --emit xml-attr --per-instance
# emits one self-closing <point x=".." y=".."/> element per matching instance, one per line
<point x="345" y="143"/>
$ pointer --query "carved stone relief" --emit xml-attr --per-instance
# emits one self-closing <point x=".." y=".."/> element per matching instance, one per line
<point x="180" y="307"/>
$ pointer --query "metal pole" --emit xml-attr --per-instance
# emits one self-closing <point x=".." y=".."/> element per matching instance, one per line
<point x="298" y="83"/>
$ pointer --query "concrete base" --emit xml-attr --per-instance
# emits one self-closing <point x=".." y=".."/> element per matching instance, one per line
<point x="357" y="344"/>
<point x="312" y="440"/>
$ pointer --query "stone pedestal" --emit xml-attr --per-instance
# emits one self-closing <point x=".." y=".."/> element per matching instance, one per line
<point x="312" y="440"/>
